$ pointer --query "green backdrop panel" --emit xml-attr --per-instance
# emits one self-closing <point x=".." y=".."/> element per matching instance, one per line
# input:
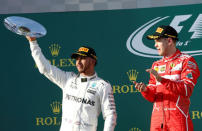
<point x="29" y="100"/>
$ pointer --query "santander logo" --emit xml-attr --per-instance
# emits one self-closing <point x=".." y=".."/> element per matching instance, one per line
<point x="136" y="45"/>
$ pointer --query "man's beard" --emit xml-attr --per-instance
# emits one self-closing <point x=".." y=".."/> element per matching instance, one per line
<point x="83" y="70"/>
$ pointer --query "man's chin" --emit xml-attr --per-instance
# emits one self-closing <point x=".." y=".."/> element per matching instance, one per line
<point x="81" y="71"/>
<point x="160" y="54"/>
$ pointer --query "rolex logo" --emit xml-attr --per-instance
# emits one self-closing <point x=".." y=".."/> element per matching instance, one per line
<point x="54" y="49"/>
<point x="132" y="75"/>
<point x="56" y="107"/>
<point x="135" y="129"/>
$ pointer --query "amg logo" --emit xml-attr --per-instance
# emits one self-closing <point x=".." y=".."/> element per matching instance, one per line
<point x="80" y="100"/>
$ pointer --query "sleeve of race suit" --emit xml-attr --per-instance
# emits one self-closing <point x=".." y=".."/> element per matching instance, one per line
<point x="189" y="76"/>
<point x="53" y="73"/>
<point x="151" y="89"/>
<point x="108" y="107"/>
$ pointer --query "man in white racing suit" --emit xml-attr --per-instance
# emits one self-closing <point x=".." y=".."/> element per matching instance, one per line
<point x="85" y="95"/>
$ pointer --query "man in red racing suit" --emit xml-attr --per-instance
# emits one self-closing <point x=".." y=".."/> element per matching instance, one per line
<point x="172" y="80"/>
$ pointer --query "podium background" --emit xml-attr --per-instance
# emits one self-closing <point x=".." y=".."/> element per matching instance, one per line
<point x="27" y="95"/>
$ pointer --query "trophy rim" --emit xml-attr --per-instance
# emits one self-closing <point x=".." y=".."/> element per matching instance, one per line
<point x="25" y="26"/>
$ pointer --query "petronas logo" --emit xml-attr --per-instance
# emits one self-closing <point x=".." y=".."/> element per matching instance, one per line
<point x="132" y="75"/>
<point x="54" y="49"/>
<point x="56" y="107"/>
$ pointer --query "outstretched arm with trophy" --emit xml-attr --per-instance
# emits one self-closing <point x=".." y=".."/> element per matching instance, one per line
<point x="85" y="95"/>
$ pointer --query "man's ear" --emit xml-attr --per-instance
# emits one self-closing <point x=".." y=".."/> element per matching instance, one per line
<point x="170" y="41"/>
<point x="93" y="61"/>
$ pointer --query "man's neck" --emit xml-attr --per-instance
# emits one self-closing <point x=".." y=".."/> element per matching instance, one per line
<point x="87" y="74"/>
<point x="171" y="52"/>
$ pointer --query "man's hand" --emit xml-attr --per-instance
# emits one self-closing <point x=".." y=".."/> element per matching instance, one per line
<point x="30" y="38"/>
<point x="140" y="86"/>
<point x="155" y="73"/>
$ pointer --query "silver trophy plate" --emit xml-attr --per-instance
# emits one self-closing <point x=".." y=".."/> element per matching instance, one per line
<point x="24" y="26"/>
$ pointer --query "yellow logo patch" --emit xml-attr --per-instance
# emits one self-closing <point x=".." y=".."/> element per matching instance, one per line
<point x="159" y="30"/>
<point x="172" y="65"/>
<point x="156" y="68"/>
<point x="83" y="49"/>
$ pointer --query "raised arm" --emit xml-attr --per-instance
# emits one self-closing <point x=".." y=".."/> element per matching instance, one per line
<point x="53" y="73"/>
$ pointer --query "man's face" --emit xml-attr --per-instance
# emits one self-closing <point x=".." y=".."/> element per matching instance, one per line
<point x="84" y="64"/>
<point x="162" y="46"/>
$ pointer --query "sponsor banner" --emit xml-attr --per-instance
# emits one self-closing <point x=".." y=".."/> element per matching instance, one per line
<point x="196" y="114"/>
<point x="124" y="53"/>
<point x="59" y="61"/>
<point x="52" y="119"/>
<point x="187" y="25"/>
<point x="135" y="129"/>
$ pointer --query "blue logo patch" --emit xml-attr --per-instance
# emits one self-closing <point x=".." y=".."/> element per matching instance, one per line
<point x="93" y="85"/>
<point x="189" y="76"/>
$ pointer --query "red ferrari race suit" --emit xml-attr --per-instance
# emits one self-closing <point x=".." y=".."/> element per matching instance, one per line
<point x="171" y="96"/>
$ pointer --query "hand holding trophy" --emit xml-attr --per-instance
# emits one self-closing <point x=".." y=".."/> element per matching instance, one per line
<point x="24" y="26"/>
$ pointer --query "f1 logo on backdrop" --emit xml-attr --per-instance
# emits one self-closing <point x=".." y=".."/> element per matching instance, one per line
<point x="136" y="45"/>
